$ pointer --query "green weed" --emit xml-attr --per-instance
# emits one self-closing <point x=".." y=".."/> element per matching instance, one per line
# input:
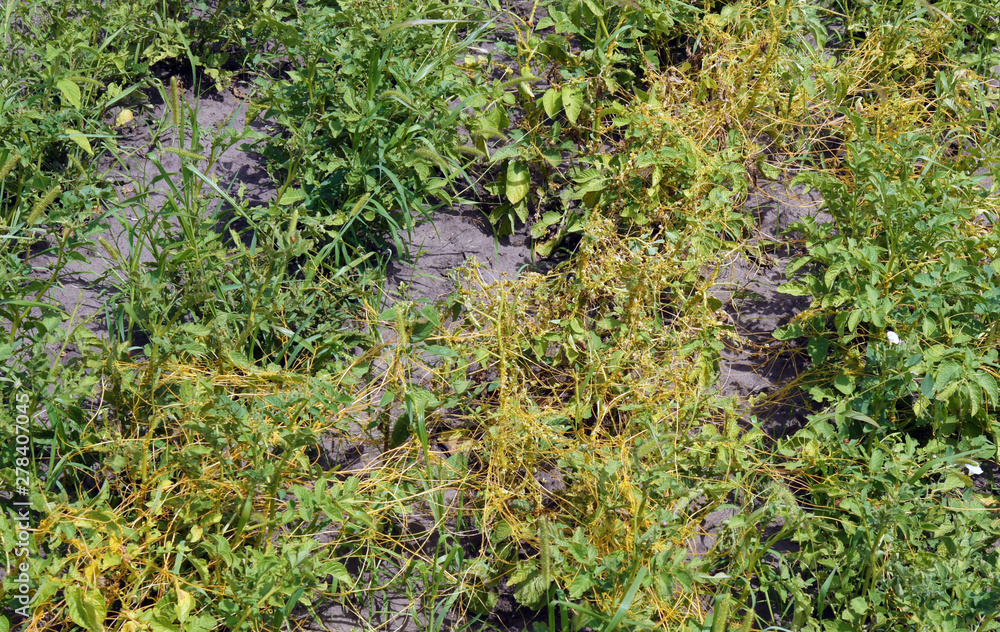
<point x="908" y="258"/>
<point x="373" y="143"/>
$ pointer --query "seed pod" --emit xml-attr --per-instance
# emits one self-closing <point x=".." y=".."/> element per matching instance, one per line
<point x="9" y="165"/>
<point x="175" y="99"/>
<point x="41" y="205"/>
<point x="720" y="622"/>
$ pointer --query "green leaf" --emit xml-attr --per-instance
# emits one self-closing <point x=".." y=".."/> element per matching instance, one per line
<point x="947" y="373"/>
<point x="501" y="531"/>
<point x="596" y="10"/>
<point x="854" y="319"/>
<point x="291" y="196"/>
<point x="859" y="605"/>
<point x="184" y="603"/>
<point x="770" y="171"/>
<point x="844" y="384"/>
<point x="794" y="288"/>
<point x="581" y="584"/>
<point x="502" y="219"/>
<point x="989" y="384"/>
<point x="400" y="431"/>
<point x="543" y="249"/>
<point x="927" y="386"/>
<point x="872" y="295"/>
<point x="77" y="137"/>
<point x="552" y="102"/>
<point x="418" y="22"/>
<point x="518" y="181"/>
<point x="832" y="272"/>
<point x="505" y="153"/>
<point x="539" y="228"/>
<point x="794" y="265"/>
<point x="818" y="347"/>
<point x="438" y="350"/>
<point x="70" y="92"/>
<point x="975" y="395"/>
<point x="572" y="98"/>
<point x="532" y="591"/>
<point x="339" y="571"/>
<point x="185" y="153"/>
<point x="789" y="332"/>
<point x="87" y="609"/>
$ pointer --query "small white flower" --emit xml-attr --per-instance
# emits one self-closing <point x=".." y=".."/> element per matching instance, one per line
<point x="893" y="338"/>
<point x="974" y="469"/>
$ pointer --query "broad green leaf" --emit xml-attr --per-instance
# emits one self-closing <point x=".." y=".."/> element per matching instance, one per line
<point x="844" y="384"/>
<point x="832" y="272"/>
<point x="401" y="431"/>
<point x="789" y="332"/>
<point x="946" y="373"/>
<point x="872" y="295"/>
<point x="505" y="153"/>
<point x="521" y="210"/>
<point x="929" y="327"/>
<point x="70" y="92"/>
<point x="291" y="196"/>
<point x="184" y="603"/>
<point x="540" y="227"/>
<point x="77" y="137"/>
<point x="580" y="586"/>
<point x="87" y="609"/>
<point x="795" y="264"/>
<point x="552" y="102"/>
<point x="854" y="319"/>
<point x="975" y="395"/>
<point x="518" y="181"/>
<point x="989" y="384"/>
<point x="196" y="329"/>
<point x="595" y="9"/>
<point x="501" y="531"/>
<point x="502" y="220"/>
<point x="794" y="288"/>
<point x="927" y="386"/>
<point x="533" y="590"/>
<point x="770" y="171"/>
<point x="818" y="347"/>
<point x="339" y="571"/>
<point x="572" y="98"/>
<point x="859" y="605"/>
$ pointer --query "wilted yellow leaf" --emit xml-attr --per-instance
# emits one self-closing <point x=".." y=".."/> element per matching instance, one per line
<point x="124" y="117"/>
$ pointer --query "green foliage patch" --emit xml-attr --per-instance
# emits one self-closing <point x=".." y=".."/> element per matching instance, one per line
<point x="259" y="437"/>
<point x="372" y="107"/>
